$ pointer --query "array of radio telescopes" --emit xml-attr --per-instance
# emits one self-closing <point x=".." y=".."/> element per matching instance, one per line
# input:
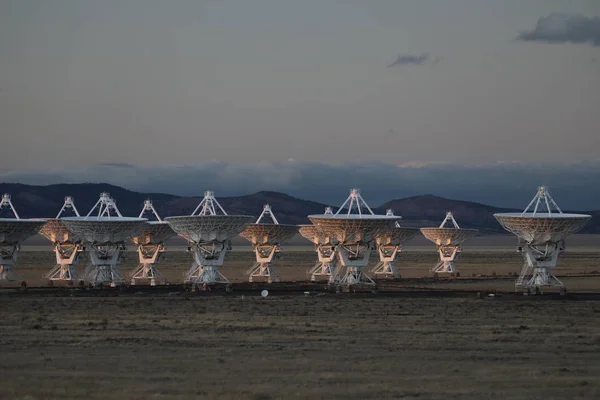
<point x="344" y="241"/>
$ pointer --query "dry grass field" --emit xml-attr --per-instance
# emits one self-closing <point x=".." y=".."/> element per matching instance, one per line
<point x="182" y="345"/>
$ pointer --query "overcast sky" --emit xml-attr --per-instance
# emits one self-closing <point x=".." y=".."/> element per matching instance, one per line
<point x="186" y="82"/>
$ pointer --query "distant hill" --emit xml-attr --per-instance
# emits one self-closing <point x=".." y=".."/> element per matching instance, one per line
<point x="418" y="211"/>
<point x="430" y="210"/>
<point x="45" y="201"/>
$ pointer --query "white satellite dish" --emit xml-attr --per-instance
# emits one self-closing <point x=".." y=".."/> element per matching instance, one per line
<point x="209" y="230"/>
<point x="67" y="247"/>
<point x="352" y="234"/>
<point x="13" y="231"/>
<point x="542" y="233"/>
<point x="448" y="241"/>
<point x="264" y="293"/>
<point x="104" y="235"/>
<point x="266" y="239"/>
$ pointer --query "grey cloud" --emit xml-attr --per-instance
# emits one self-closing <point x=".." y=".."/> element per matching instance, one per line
<point x="410" y="59"/>
<point x="564" y="28"/>
<point x="574" y="186"/>
<point x="117" y="165"/>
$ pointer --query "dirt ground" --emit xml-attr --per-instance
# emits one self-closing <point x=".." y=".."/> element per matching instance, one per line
<point x="346" y="346"/>
<point x="181" y="345"/>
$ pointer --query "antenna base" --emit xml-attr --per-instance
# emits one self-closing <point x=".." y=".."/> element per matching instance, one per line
<point x="103" y="266"/>
<point x="207" y="274"/>
<point x="355" y="276"/>
<point x="263" y="267"/>
<point x="539" y="260"/>
<point x="148" y="255"/>
<point x="386" y="267"/>
<point x="8" y="259"/>
<point x="448" y="255"/>
<point x="62" y="273"/>
<point x="147" y="272"/>
<point x="263" y="270"/>
<point x="208" y="257"/>
<point x="354" y="257"/>
<point x="67" y="255"/>
<point x="323" y="270"/>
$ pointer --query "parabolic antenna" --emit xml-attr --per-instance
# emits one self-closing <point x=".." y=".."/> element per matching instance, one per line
<point x="105" y="235"/>
<point x="389" y="245"/>
<point x="209" y="230"/>
<point x="13" y="231"/>
<point x="67" y="246"/>
<point x="266" y="239"/>
<point x="150" y="245"/>
<point x="542" y="228"/>
<point x="353" y="233"/>
<point x="325" y="267"/>
<point x="448" y="240"/>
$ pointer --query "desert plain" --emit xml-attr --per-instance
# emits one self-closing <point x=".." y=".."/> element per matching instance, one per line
<point x="448" y="342"/>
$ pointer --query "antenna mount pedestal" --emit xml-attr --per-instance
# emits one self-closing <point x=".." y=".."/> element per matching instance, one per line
<point x="325" y="267"/>
<point x="386" y="267"/>
<point x="354" y="257"/>
<point x="103" y="266"/>
<point x="263" y="267"/>
<point x="67" y="255"/>
<point x="208" y="257"/>
<point x="8" y="259"/>
<point x="148" y="256"/>
<point x="448" y="255"/>
<point x="537" y="267"/>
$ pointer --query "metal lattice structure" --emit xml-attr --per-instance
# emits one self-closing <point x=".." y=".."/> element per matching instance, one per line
<point x="542" y="229"/>
<point x="67" y="246"/>
<point x="389" y="245"/>
<point x="266" y="242"/>
<point x="150" y="246"/>
<point x="13" y="231"/>
<point x="209" y="234"/>
<point x="352" y="232"/>
<point x="104" y="235"/>
<point x="448" y="241"/>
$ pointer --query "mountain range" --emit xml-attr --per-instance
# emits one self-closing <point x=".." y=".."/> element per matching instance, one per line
<point x="418" y="211"/>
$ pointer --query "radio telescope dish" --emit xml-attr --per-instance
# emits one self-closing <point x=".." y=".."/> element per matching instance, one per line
<point x="389" y="245"/>
<point x="67" y="247"/>
<point x="105" y="235"/>
<point x="13" y="231"/>
<point x="542" y="232"/>
<point x="325" y="267"/>
<point x="353" y="233"/>
<point x="209" y="230"/>
<point x="266" y="239"/>
<point x="448" y="242"/>
<point x="150" y="246"/>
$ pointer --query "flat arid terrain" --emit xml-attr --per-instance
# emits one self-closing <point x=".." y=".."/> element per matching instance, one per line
<point x="173" y="344"/>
